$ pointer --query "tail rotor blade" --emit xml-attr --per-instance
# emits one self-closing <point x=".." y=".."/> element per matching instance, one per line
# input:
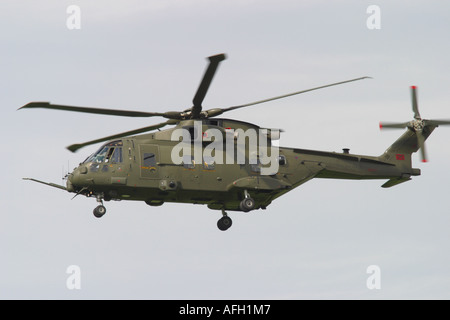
<point x="421" y="144"/>
<point x="388" y="125"/>
<point x="415" y="107"/>
<point x="437" y="122"/>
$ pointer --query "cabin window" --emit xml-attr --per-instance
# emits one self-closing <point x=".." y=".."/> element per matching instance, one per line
<point x="149" y="161"/>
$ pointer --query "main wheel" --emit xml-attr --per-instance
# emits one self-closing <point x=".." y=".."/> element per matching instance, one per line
<point x="224" y="223"/>
<point x="247" y="204"/>
<point x="99" y="211"/>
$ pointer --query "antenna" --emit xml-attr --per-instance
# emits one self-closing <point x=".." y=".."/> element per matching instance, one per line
<point x="65" y="173"/>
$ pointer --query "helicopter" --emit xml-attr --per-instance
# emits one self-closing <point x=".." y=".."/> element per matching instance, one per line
<point x="197" y="160"/>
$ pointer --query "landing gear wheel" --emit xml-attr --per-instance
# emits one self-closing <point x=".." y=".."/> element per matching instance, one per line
<point x="246" y="205"/>
<point x="99" y="211"/>
<point x="224" y="223"/>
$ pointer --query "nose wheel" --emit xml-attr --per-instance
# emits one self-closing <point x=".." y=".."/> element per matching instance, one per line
<point x="100" y="210"/>
<point x="225" y="222"/>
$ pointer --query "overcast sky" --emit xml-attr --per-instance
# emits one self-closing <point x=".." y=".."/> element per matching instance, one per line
<point x="315" y="242"/>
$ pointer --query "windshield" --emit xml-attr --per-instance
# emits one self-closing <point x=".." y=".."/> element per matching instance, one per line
<point x="110" y="152"/>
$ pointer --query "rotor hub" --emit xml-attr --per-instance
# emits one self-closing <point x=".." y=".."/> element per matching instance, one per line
<point x="418" y="124"/>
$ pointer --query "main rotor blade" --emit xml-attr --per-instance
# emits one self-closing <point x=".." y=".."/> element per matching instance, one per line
<point x="415" y="107"/>
<point x="290" y="94"/>
<point x="111" y="112"/>
<point x="78" y="146"/>
<point x="205" y="83"/>
<point x="421" y="144"/>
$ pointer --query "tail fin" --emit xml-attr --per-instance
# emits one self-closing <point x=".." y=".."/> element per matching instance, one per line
<point x="400" y="152"/>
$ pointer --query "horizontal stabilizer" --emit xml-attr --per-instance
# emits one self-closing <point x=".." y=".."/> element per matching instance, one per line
<point x="394" y="182"/>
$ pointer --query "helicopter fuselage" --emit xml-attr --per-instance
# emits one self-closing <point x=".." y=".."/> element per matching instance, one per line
<point x="142" y="168"/>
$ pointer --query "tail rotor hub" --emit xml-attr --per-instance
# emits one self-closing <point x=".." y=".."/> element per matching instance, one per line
<point x="418" y="125"/>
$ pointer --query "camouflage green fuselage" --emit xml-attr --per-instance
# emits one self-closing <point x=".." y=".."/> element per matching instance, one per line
<point x="141" y="168"/>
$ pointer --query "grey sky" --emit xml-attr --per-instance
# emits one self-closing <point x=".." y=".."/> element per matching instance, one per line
<point x="315" y="242"/>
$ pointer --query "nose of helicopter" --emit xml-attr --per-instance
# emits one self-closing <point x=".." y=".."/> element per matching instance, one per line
<point x="76" y="178"/>
<point x="69" y="183"/>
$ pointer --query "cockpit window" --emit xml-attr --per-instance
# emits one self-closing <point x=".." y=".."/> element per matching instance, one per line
<point x="100" y="155"/>
<point x="117" y="155"/>
<point x="110" y="152"/>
